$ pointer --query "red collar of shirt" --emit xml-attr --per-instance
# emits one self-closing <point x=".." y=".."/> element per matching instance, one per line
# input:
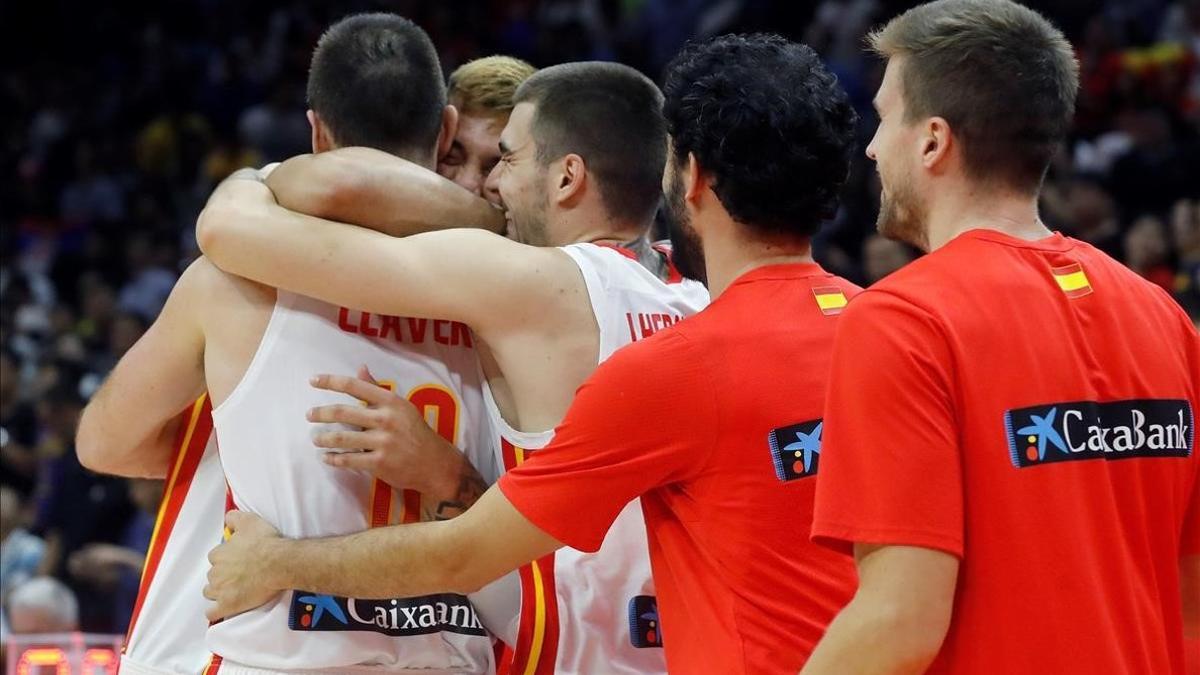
<point x="1055" y="242"/>
<point x="785" y="271"/>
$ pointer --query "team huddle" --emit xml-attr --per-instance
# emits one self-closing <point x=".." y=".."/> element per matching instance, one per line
<point x="449" y="408"/>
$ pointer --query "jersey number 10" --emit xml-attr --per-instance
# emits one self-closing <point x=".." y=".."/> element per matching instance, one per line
<point x="439" y="407"/>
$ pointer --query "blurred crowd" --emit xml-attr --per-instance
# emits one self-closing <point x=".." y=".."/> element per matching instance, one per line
<point x="121" y="117"/>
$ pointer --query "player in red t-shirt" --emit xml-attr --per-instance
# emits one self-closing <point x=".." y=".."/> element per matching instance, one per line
<point x="715" y="422"/>
<point x="1010" y="441"/>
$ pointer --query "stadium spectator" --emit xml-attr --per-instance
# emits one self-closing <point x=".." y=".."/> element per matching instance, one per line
<point x="20" y="551"/>
<point x="41" y="606"/>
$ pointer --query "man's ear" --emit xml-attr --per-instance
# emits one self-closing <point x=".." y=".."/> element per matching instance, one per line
<point x="571" y="180"/>
<point x="449" y="128"/>
<point x="936" y="143"/>
<point x="695" y="181"/>
<point x="322" y="138"/>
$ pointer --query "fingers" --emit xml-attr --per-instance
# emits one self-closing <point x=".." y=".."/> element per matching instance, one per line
<point x="364" y="461"/>
<point x="235" y="520"/>
<point x="215" y="611"/>
<point x="354" y="415"/>
<point x="364" y="373"/>
<point x="349" y="440"/>
<point x="363" y="391"/>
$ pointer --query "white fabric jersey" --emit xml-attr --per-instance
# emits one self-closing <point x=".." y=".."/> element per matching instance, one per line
<point x="276" y="472"/>
<point x="166" y="631"/>
<point x="576" y="607"/>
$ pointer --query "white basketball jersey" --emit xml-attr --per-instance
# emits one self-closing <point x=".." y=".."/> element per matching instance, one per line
<point x="579" y="610"/>
<point x="274" y="471"/>
<point x="166" y="631"/>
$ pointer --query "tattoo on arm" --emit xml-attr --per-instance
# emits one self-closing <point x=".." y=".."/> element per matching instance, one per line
<point x="470" y="487"/>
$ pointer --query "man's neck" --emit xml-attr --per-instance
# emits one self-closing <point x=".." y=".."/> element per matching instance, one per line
<point x="730" y="252"/>
<point x="983" y="208"/>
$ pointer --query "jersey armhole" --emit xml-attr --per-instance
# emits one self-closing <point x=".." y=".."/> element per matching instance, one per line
<point x="597" y="292"/>
<point x="283" y="302"/>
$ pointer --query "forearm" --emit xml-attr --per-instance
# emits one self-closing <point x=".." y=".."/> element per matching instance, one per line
<point x="869" y="640"/>
<point x="378" y="191"/>
<point x="459" y="487"/>
<point x="107" y="441"/>
<point x="392" y="562"/>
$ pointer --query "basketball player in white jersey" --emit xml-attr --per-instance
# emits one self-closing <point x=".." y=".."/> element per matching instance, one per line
<point x="208" y="334"/>
<point x="582" y="160"/>
<point x="167" y="629"/>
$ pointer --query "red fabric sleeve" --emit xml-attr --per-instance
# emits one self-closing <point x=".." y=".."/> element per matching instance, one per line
<point x="645" y="418"/>
<point x="890" y="465"/>
<point x="1189" y="544"/>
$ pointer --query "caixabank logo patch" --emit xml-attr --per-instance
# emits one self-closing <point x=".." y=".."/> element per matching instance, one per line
<point x="796" y="449"/>
<point x="1081" y="430"/>
<point x="395" y="617"/>
<point x="645" y="629"/>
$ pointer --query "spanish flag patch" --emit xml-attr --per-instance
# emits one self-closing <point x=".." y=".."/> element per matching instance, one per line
<point x="830" y="299"/>
<point x="1072" y="280"/>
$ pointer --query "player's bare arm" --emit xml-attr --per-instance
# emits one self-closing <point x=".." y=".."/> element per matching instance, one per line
<point x="1189" y="575"/>
<point x="128" y="425"/>
<point x="395" y="445"/>
<point x="460" y="555"/>
<point x="374" y="189"/>
<point x="528" y="304"/>
<point x="463" y="275"/>
<point x="898" y="618"/>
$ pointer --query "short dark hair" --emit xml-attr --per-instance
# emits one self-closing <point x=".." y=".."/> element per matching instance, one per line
<point x="611" y="116"/>
<point x="769" y="122"/>
<point x="1001" y="75"/>
<point x="376" y="81"/>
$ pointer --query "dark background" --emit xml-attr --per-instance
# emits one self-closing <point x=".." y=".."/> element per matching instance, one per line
<point x="119" y="118"/>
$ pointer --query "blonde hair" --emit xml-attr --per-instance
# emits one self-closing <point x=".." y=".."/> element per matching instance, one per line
<point x="486" y="86"/>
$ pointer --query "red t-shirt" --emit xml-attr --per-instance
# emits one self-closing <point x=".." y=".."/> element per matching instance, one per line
<point x="715" y="423"/>
<point x="975" y="398"/>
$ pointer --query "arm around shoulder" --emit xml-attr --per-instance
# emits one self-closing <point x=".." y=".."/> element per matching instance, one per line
<point x="379" y="191"/>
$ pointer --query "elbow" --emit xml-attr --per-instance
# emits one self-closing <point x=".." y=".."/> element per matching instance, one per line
<point x="917" y="633"/>
<point x="217" y="229"/>
<point x="331" y="187"/>
<point x="463" y="577"/>
<point x="89" y="448"/>
<point x="462" y="568"/>
<point x="210" y="234"/>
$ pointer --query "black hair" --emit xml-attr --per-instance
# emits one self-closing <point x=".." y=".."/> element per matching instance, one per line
<point x="611" y="116"/>
<point x="771" y="125"/>
<point x="376" y="81"/>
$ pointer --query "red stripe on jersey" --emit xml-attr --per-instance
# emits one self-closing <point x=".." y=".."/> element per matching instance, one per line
<point x="214" y="665"/>
<point x="189" y="450"/>
<point x="412" y="506"/>
<point x="504" y="657"/>
<point x="673" y="275"/>
<point x="381" y="504"/>
<point x="509" y="453"/>
<point x="536" y="650"/>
